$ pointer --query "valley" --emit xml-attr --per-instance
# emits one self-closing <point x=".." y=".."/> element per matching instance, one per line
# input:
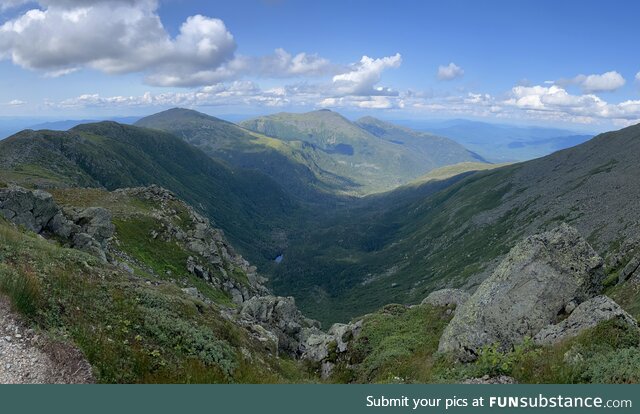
<point x="261" y="250"/>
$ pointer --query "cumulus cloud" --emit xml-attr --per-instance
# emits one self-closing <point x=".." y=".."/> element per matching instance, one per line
<point x="638" y="77"/>
<point x="16" y="102"/>
<point x="114" y="37"/>
<point x="283" y="64"/>
<point x="606" y="82"/>
<point x="449" y="72"/>
<point x="362" y="77"/>
<point x="556" y="102"/>
<point x="124" y="36"/>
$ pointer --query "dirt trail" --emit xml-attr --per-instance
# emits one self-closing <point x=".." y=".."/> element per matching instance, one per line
<point x="27" y="359"/>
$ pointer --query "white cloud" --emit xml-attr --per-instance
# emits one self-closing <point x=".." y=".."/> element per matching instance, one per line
<point x="283" y="64"/>
<point x="606" y="82"/>
<point x="638" y="77"/>
<point x="362" y="102"/>
<point x="362" y="77"/>
<point x="114" y="37"/>
<point x="235" y="93"/>
<point x="16" y="102"/>
<point x="450" y="72"/>
<point x="124" y="36"/>
<point x="555" y="102"/>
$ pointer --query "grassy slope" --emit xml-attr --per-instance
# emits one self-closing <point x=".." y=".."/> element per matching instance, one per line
<point x="132" y="328"/>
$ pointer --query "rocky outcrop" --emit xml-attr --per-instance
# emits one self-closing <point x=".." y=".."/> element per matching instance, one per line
<point x="281" y="316"/>
<point x="85" y="229"/>
<point x="587" y="315"/>
<point x="327" y="348"/>
<point x="529" y="290"/>
<point x="31" y="209"/>
<point x="213" y="258"/>
<point x="631" y="269"/>
<point x="447" y="297"/>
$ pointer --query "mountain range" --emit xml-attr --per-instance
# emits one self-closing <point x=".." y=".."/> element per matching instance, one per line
<point x="223" y="240"/>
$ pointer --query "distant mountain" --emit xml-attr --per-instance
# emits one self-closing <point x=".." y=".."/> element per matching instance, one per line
<point x="70" y="123"/>
<point x="399" y="246"/>
<point x="436" y="150"/>
<point x="9" y="125"/>
<point x="377" y="155"/>
<point x="298" y="167"/>
<point x="501" y="142"/>
<point x="249" y="206"/>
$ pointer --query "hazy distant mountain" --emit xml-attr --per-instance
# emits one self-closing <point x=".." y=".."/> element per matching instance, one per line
<point x="70" y="123"/>
<point x="501" y="142"/>
<point x="10" y="125"/>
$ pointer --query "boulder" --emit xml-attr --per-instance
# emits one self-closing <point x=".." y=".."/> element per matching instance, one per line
<point x="281" y="316"/>
<point x="630" y="269"/>
<point x="31" y="209"/>
<point x="587" y="315"/>
<point x="315" y="345"/>
<point x="446" y="297"/>
<point x="94" y="221"/>
<point x="528" y="290"/>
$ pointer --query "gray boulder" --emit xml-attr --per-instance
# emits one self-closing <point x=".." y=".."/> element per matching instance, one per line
<point x="94" y="221"/>
<point x="281" y="316"/>
<point x="630" y="269"/>
<point x="587" y="315"/>
<point x="31" y="209"/>
<point x="88" y="229"/>
<point x="527" y="291"/>
<point x="446" y="297"/>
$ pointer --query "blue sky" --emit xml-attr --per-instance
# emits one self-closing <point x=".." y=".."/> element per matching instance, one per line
<point x="535" y="62"/>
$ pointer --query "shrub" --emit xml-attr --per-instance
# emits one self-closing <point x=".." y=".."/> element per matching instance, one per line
<point x="621" y="366"/>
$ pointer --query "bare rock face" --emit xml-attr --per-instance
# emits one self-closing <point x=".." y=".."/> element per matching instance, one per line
<point x="529" y="290"/>
<point x="587" y="315"/>
<point x="447" y="297"/>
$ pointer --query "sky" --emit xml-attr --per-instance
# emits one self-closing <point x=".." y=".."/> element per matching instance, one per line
<point x="571" y="64"/>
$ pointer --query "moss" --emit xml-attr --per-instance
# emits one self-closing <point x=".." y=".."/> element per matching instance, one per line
<point x="134" y="235"/>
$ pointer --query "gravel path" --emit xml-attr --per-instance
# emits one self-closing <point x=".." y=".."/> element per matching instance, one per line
<point x="27" y="359"/>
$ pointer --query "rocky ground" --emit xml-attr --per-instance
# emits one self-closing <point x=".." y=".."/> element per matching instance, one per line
<point x="25" y="358"/>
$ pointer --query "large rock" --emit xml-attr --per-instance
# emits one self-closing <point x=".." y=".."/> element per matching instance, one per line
<point x="96" y="222"/>
<point x="281" y="316"/>
<point x="447" y="297"/>
<point x="31" y="209"/>
<point x="587" y="315"/>
<point x="87" y="230"/>
<point x="530" y="288"/>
